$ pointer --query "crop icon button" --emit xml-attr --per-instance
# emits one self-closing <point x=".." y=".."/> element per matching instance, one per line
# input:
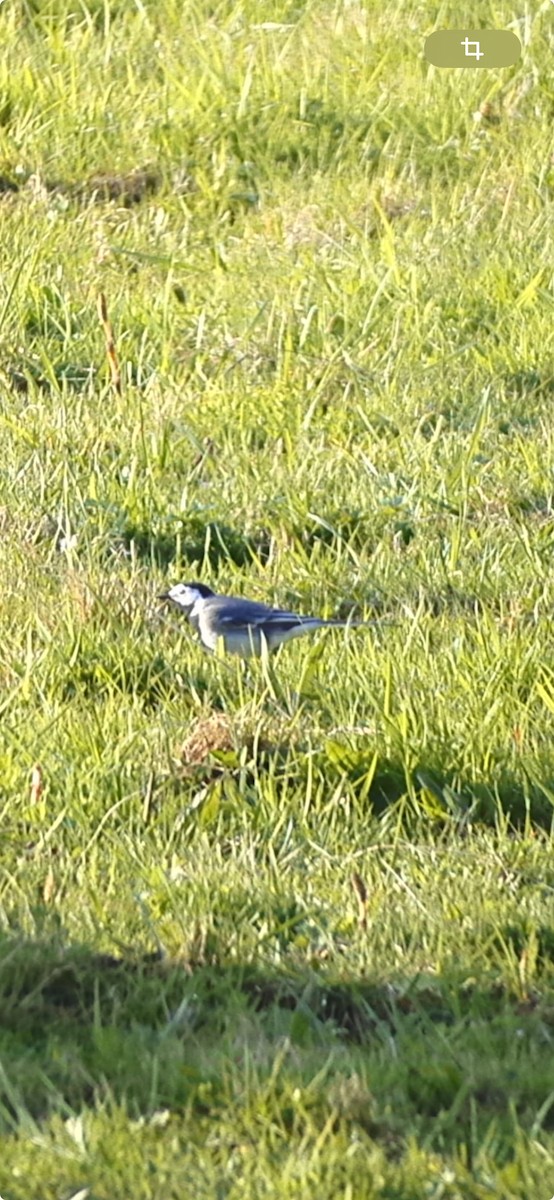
<point x="472" y="48"/>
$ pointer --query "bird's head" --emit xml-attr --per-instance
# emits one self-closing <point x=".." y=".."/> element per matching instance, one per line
<point x="186" y="595"/>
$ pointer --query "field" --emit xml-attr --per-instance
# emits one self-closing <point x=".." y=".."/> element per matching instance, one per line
<point x="284" y="932"/>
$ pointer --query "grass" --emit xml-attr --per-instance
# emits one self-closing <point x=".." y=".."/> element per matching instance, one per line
<point x="285" y="934"/>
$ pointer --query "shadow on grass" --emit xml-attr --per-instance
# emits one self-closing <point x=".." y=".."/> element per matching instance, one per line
<point x="444" y="1054"/>
<point x="233" y="766"/>
<point x="192" y="540"/>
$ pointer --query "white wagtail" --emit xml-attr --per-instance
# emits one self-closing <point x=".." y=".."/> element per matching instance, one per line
<point x="242" y="625"/>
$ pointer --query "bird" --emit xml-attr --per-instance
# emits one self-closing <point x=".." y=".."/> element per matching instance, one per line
<point x="244" y="626"/>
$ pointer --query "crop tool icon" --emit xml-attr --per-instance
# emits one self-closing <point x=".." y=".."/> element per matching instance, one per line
<point x="476" y="52"/>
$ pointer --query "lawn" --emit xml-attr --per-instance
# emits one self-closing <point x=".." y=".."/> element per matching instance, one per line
<point x="285" y="932"/>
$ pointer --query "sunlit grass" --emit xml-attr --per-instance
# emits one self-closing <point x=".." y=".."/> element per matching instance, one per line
<point x="284" y="932"/>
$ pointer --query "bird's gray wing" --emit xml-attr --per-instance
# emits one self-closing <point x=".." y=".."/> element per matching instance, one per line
<point x="234" y="613"/>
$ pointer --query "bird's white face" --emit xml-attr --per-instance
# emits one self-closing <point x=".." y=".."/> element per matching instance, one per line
<point x="184" y="595"/>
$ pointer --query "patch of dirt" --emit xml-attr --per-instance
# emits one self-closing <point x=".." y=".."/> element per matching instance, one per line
<point x="124" y="187"/>
<point x="213" y="732"/>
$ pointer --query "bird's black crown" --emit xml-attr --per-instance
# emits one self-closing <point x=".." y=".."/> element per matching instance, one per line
<point x="202" y="588"/>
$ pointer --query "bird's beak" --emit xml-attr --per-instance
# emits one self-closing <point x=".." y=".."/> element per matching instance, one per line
<point x="163" y="596"/>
